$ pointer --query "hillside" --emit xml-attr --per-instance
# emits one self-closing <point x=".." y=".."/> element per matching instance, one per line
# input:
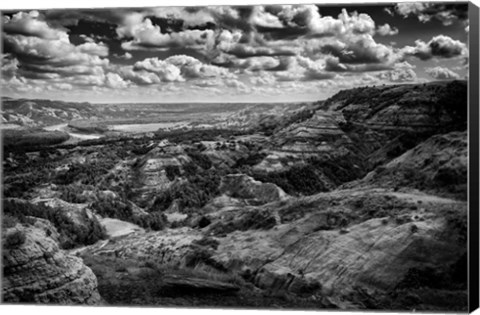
<point x="358" y="201"/>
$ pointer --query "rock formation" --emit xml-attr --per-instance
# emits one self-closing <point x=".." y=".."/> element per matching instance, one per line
<point x="35" y="270"/>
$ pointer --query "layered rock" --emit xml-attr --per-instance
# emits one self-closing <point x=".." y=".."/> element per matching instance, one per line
<point x="170" y="246"/>
<point x="373" y="255"/>
<point x="37" y="271"/>
<point x="439" y="164"/>
<point x="242" y="186"/>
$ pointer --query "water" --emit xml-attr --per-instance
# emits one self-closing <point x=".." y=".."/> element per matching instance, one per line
<point x="64" y="128"/>
<point x="151" y="127"/>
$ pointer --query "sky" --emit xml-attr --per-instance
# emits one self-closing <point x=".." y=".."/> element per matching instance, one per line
<point x="261" y="53"/>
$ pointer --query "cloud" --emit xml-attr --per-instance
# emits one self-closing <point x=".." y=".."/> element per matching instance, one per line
<point x="387" y="30"/>
<point x="440" y="46"/>
<point x="30" y="24"/>
<point x="147" y="36"/>
<point x="9" y="67"/>
<point x="114" y="81"/>
<point x="46" y="53"/>
<point x="251" y="63"/>
<point x="265" y="19"/>
<point x="359" y="49"/>
<point x="165" y="71"/>
<point x="314" y="70"/>
<point x="333" y="64"/>
<point x="426" y="11"/>
<point x="309" y="16"/>
<point x="193" y="68"/>
<point x="139" y="77"/>
<point x="398" y="75"/>
<point x="249" y="45"/>
<point x="441" y="73"/>
<point x="125" y="56"/>
<point x="263" y="78"/>
<point x="178" y="68"/>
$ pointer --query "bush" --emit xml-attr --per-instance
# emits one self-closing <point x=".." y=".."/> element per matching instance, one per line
<point x="72" y="234"/>
<point x="15" y="240"/>
<point x="9" y="221"/>
<point x="200" y="160"/>
<point x="116" y="209"/>
<point x="172" y="171"/>
<point x="195" y="193"/>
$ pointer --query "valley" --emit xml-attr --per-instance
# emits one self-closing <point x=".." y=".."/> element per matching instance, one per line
<point x="358" y="201"/>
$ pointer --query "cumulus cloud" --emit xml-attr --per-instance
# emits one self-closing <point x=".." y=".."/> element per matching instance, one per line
<point x="139" y="77"/>
<point x="441" y="73"/>
<point x="359" y="49"/>
<point x="146" y="35"/>
<point x="440" y="46"/>
<point x="387" y="30"/>
<point x="125" y="56"/>
<point x="252" y="49"/>
<point x="193" y="68"/>
<point x="9" y="67"/>
<point x="164" y="70"/>
<point x="30" y="24"/>
<point x="233" y="43"/>
<point x="262" y="18"/>
<point x="398" y="75"/>
<point x="255" y="63"/>
<point x="426" y="11"/>
<point x="308" y="16"/>
<point x="114" y="81"/>
<point x="46" y="53"/>
<point x="333" y="64"/>
<point x="178" y="68"/>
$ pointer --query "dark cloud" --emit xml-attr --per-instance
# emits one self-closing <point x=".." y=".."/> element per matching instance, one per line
<point x="247" y="51"/>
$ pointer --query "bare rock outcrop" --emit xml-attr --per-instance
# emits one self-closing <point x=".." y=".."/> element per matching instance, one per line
<point x="439" y="164"/>
<point x="35" y="270"/>
<point x="242" y="186"/>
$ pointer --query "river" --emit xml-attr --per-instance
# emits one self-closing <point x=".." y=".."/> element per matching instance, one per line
<point x="64" y="128"/>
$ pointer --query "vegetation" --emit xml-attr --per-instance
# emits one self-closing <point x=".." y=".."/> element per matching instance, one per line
<point x="21" y="138"/>
<point x="112" y="208"/>
<point x="14" y="240"/>
<point x="194" y="193"/>
<point x="72" y="233"/>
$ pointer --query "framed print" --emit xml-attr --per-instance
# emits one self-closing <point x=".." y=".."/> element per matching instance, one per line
<point x="264" y="156"/>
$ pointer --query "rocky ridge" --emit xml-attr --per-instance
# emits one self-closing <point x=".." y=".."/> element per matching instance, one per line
<point x="37" y="271"/>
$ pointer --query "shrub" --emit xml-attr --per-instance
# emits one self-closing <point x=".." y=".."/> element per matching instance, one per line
<point x="172" y="171"/>
<point x="15" y="240"/>
<point x="72" y="234"/>
<point x="9" y="221"/>
<point x="200" y="160"/>
<point x="195" y="193"/>
<point x="207" y="241"/>
<point x="116" y="209"/>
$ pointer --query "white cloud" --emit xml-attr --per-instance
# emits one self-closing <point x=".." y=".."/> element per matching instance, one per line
<point x="147" y="36"/>
<point x="29" y="24"/>
<point x="441" y="73"/>
<point x="387" y="30"/>
<point x="440" y="46"/>
<point x="114" y="81"/>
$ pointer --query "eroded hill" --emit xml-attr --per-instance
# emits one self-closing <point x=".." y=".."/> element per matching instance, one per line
<point x="355" y="202"/>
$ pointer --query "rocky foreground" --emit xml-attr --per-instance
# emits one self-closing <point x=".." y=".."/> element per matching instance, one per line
<point x="358" y="202"/>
